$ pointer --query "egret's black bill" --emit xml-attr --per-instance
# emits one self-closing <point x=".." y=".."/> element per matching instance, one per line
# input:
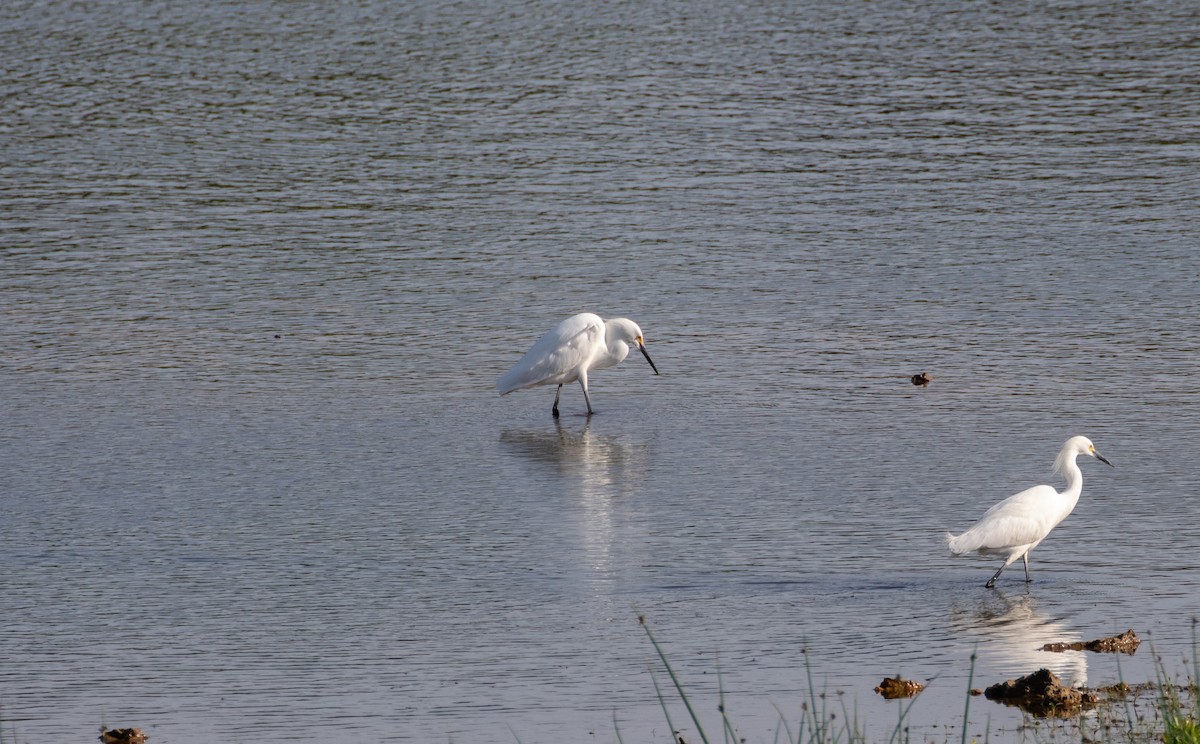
<point x="642" y="348"/>
<point x="1100" y="457"/>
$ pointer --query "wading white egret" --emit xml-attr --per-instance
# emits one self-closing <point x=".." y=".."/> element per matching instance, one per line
<point x="572" y="348"/>
<point x="1019" y="523"/>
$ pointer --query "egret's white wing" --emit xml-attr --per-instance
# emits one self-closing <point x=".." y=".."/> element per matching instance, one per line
<point x="557" y="355"/>
<point x="1001" y="533"/>
<point x="1021" y="519"/>
<point x="1030" y="501"/>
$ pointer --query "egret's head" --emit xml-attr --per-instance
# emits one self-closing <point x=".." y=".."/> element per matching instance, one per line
<point x="1082" y="446"/>
<point x="624" y="329"/>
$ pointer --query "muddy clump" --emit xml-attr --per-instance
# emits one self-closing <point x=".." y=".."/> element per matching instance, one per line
<point x="898" y="687"/>
<point x="1042" y="694"/>
<point x="1116" y="692"/>
<point x="1125" y="643"/>
<point x="123" y="736"/>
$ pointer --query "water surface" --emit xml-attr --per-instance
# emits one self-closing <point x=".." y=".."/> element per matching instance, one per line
<point x="261" y="264"/>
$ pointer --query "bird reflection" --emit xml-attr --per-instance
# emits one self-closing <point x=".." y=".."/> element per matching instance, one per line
<point x="1012" y="632"/>
<point x="597" y="470"/>
<point x="598" y="460"/>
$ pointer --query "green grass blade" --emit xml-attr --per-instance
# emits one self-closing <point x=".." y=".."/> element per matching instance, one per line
<point x="967" y="705"/>
<point x="786" y="728"/>
<point x="674" y="679"/>
<point x="662" y="701"/>
<point x="727" y="726"/>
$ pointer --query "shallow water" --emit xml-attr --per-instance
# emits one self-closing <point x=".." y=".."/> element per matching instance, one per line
<point x="262" y="264"/>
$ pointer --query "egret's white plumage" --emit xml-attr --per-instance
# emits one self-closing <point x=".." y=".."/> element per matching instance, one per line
<point x="569" y="350"/>
<point x="1019" y="523"/>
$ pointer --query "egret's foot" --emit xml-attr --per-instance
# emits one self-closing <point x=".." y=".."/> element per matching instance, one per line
<point x="991" y="584"/>
<point x="1028" y="581"/>
<point x="554" y="412"/>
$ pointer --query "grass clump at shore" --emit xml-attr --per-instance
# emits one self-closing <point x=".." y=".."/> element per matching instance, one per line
<point x="1181" y="718"/>
<point x="1173" y="716"/>
<point x="818" y="724"/>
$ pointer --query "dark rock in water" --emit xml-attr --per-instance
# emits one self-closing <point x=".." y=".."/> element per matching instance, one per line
<point x="898" y="687"/>
<point x="921" y="379"/>
<point x="123" y="736"/>
<point x="1126" y="643"/>
<point x="1041" y="694"/>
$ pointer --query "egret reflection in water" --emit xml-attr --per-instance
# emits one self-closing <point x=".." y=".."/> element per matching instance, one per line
<point x="597" y="462"/>
<point x="599" y="471"/>
<point x="1011" y="632"/>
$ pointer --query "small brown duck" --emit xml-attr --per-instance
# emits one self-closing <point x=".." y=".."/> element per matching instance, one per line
<point x="921" y="379"/>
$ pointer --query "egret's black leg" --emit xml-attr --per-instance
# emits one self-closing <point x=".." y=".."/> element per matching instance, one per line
<point x="1027" y="579"/>
<point x="587" y="398"/>
<point x="991" y="584"/>
<point x="554" y="410"/>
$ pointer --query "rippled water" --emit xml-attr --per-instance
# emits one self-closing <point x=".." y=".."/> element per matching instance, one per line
<point x="263" y="262"/>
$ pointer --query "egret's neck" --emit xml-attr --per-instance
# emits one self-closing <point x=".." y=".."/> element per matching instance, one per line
<point x="616" y="337"/>
<point x="616" y="350"/>
<point x="1074" y="476"/>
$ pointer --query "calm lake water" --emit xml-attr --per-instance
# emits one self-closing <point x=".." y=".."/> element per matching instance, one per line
<point x="261" y="264"/>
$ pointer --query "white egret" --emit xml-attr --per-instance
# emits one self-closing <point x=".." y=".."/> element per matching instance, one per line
<point x="570" y="349"/>
<point x="1019" y="523"/>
